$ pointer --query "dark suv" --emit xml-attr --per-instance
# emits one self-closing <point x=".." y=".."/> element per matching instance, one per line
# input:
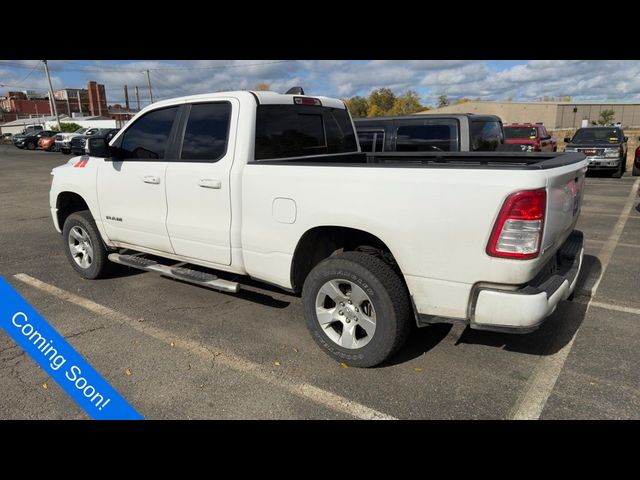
<point x="604" y="147"/>
<point x="30" y="140"/>
<point x="456" y="132"/>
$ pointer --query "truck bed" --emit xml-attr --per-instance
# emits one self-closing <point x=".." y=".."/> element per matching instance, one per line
<point x="475" y="160"/>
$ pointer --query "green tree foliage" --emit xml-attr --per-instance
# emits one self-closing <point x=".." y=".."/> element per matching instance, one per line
<point x="358" y="106"/>
<point x="407" y="103"/>
<point x="67" y="127"/>
<point x="606" y="117"/>
<point x="443" y="101"/>
<point x="383" y="98"/>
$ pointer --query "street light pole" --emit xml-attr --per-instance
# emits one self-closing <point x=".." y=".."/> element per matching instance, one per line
<point x="53" y="100"/>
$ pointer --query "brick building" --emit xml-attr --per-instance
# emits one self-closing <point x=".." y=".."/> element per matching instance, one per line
<point x="97" y="99"/>
<point x="85" y="101"/>
<point x="76" y="100"/>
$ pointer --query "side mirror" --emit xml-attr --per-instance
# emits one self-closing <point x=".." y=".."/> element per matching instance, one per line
<point x="567" y="140"/>
<point x="98" y="147"/>
<point x="626" y="139"/>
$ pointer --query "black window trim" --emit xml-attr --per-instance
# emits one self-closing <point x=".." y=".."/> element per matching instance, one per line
<point x="184" y="119"/>
<point x="169" y="149"/>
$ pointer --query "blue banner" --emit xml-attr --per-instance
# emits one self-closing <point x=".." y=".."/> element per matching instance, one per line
<point x="59" y="359"/>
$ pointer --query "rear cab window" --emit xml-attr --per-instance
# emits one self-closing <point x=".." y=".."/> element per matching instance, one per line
<point x="371" y="140"/>
<point x="486" y="135"/>
<point x="430" y="136"/>
<point x="284" y="131"/>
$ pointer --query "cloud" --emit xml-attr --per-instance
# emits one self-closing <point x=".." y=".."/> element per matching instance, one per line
<point x="589" y="80"/>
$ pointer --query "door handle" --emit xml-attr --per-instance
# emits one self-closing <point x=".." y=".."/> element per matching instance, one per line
<point x="151" y="179"/>
<point x="210" y="183"/>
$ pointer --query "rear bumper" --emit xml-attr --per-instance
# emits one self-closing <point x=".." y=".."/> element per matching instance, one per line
<point x="525" y="309"/>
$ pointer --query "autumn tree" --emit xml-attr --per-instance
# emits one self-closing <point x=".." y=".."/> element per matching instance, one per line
<point x="606" y="117"/>
<point x="358" y="106"/>
<point x="375" y="111"/>
<point x="407" y="103"/>
<point x="262" y="87"/>
<point x="443" y="101"/>
<point x="383" y="99"/>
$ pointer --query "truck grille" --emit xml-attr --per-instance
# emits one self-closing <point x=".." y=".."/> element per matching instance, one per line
<point x="592" y="152"/>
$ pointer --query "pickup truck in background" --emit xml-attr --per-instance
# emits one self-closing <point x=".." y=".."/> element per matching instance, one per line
<point x="274" y="187"/>
<point x="533" y="137"/>
<point x="63" y="140"/>
<point x="459" y="132"/>
<point x="604" y="147"/>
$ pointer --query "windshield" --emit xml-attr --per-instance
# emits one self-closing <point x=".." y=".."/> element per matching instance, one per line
<point x="597" y="135"/>
<point x="81" y="130"/>
<point x="521" y="132"/>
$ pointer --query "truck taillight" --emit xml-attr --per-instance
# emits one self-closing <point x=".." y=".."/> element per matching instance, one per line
<point x="517" y="232"/>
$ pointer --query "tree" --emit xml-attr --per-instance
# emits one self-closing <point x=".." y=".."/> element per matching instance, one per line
<point x="462" y="100"/>
<point x="262" y="87"/>
<point x="67" y="127"/>
<point x="375" y="111"/>
<point x="606" y="117"/>
<point x="383" y="99"/>
<point x="443" y="101"/>
<point x="358" y="106"/>
<point x="407" y="103"/>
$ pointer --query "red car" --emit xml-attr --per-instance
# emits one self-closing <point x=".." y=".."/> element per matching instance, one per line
<point x="533" y="137"/>
<point x="47" y="143"/>
<point x="636" y="162"/>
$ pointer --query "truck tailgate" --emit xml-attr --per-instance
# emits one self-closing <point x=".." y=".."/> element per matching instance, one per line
<point x="565" y="189"/>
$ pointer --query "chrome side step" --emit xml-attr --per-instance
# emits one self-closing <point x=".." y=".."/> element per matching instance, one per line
<point x="179" y="273"/>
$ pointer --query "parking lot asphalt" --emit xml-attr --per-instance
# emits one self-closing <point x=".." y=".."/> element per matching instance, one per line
<point x="175" y="350"/>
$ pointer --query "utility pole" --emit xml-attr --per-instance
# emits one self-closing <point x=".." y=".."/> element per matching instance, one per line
<point x="53" y="100"/>
<point x="137" y="97"/>
<point x="149" y="83"/>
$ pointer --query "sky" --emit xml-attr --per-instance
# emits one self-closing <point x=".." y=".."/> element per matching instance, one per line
<point x="583" y="80"/>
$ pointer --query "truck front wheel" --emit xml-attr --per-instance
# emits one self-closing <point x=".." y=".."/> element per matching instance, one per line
<point x="84" y="247"/>
<point x="357" y="308"/>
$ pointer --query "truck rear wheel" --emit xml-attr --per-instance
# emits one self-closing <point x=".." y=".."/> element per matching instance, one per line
<point x="84" y="247"/>
<point x="636" y="171"/>
<point x="357" y="308"/>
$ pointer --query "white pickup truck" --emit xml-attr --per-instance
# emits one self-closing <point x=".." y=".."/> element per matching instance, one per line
<point x="273" y="187"/>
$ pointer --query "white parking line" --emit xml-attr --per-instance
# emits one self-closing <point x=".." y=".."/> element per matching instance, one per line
<point x="303" y="390"/>
<point x="621" y="244"/>
<point x="617" y="308"/>
<point x="534" y="397"/>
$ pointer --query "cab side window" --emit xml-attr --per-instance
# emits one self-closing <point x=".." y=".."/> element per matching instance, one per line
<point x="148" y="137"/>
<point x="207" y="132"/>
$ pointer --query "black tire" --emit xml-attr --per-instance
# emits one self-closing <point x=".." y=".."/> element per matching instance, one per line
<point x="389" y="298"/>
<point x="100" y="264"/>
<point x="635" y="171"/>
<point x="31" y="146"/>
<point x="620" y="171"/>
